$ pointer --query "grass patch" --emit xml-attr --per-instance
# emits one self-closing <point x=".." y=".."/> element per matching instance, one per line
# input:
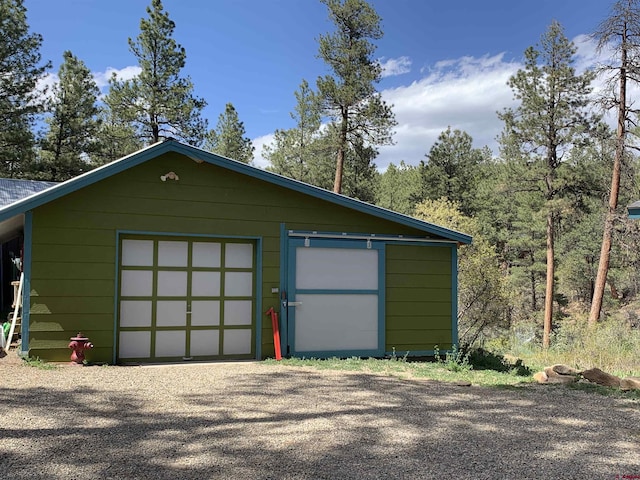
<point x="452" y="368"/>
<point x="612" y="345"/>
<point x="37" y="362"/>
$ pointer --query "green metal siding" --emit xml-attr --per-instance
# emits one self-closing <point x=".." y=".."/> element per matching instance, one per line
<point x="74" y="241"/>
<point x="418" y="298"/>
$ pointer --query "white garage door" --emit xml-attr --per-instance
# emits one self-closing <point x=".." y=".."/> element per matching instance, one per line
<point x="183" y="299"/>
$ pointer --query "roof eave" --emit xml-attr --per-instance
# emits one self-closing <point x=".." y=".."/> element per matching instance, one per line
<point x="199" y="155"/>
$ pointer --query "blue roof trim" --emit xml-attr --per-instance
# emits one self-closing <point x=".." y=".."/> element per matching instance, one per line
<point x="158" y="149"/>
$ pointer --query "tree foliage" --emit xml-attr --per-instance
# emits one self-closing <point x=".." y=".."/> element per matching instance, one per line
<point x="359" y="116"/>
<point x="551" y="118"/>
<point x="20" y="100"/>
<point x="70" y="139"/>
<point x="294" y="151"/>
<point x="228" y="138"/>
<point x="159" y="103"/>
<point x="453" y="169"/>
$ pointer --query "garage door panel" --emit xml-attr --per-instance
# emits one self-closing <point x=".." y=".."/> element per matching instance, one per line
<point x="171" y="313"/>
<point x="238" y="312"/>
<point x="205" y="343"/>
<point x="336" y="322"/>
<point x="135" y="313"/>
<point x="172" y="284"/>
<point x="237" y="342"/>
<point x="205" y="313"/>
<point x="170" y="343"/>
<point x="134" y="344"/>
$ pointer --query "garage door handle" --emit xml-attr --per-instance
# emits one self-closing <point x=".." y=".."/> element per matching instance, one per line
<point x="291" y="304"/>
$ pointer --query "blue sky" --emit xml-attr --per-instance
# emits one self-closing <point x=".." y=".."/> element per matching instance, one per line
<point x="447" y="62"/>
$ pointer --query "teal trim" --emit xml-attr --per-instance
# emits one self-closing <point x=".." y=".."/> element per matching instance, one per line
<point x="454" y="296"/>
<point x="26" y="287"/>
<point x="299" y="242"/>
<point x="283" y="318"/>
<point x="321" y="291"/>
<point x="116" y="298"/>
<point x="197" y="154"/>
<point x="382" y="296"/>
<point x="634" y="213"/>
<point x="258" y="295"/>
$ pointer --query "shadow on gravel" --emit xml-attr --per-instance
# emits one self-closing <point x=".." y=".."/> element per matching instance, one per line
<point x="300" y="424"/>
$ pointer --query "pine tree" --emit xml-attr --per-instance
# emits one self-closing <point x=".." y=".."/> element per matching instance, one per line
<point x="158" y="102"/>
<point x="115" y="138"/>
<point x="292" y="151"/>
<point x="398" y="188"/>
<point x="20" y="71"/>
<point x="72" y="125"/>
<point x="453" y="170"/>
<point x="349" y="97"/>
<point x="550" y="119"/>
<point x="228" y="138"/>
<point x="622" y="30"/>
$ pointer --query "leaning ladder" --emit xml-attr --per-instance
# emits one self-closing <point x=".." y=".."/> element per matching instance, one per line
<point x="17" y="304"/>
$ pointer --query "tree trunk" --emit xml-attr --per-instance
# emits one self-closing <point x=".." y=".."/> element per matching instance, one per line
<point x="548" y="299"/>
<point x="337" y="183"/>
<point x="605" y="250"/>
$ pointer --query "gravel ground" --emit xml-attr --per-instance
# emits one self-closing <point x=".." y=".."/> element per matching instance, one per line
<point x="256" y="421"/>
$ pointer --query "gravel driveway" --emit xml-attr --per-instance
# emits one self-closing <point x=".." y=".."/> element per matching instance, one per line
<point x="256" y="421"/>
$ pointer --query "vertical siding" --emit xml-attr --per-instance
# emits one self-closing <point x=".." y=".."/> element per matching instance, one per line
<point x="74" y="241"/>
<point x="418" y="298"/>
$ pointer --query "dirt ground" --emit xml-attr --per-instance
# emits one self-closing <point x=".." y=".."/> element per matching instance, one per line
<point x="256" y="421"/>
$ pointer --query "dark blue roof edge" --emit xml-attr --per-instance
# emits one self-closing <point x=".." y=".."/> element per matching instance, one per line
<point x="156" y="149"/>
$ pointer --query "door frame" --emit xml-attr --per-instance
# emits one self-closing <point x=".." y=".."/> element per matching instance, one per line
<point x="258" y="276"/>
<point x="294" y="242"/>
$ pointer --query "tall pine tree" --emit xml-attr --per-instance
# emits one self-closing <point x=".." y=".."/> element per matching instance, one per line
<point x="20" y="70"/>
<point x="360" y="116"/>
<point x="622" y="30"/>
<point x="158" y="102"/>
<point x="72" y="125"/>
<point x="550" y="119"/>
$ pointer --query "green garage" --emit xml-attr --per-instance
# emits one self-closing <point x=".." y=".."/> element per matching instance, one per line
<point x="175" y="254"/>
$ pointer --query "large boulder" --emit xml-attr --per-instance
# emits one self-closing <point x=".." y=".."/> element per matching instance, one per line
<point x="540" y="377"/>
<point x="595" y="375"/>
<point x="565" y="370"/>
<point x="630" y="383"/>
<point x="549" y="376"/>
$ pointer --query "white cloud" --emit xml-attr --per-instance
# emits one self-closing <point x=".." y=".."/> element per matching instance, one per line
<point x="126" y="73"/>
<point x="463" y="93"/>
<point x="258" y="160"/>
<point x="395" y="66"/>
<point x="45" y="85"/>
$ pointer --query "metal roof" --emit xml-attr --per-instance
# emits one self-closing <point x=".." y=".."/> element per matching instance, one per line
<point x="13" y="189"/>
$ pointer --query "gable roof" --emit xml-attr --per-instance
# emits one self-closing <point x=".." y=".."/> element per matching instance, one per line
<point x="58" y="190"/>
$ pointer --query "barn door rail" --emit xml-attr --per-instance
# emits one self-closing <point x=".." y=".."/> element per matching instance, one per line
<point x="370" y="237"/>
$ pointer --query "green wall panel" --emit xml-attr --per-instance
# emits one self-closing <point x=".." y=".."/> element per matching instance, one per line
<point x="418" y="297"/>
<point x="74" y="243"/>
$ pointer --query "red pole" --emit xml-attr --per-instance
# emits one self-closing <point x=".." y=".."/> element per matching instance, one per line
<point x="276" y="332"/>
